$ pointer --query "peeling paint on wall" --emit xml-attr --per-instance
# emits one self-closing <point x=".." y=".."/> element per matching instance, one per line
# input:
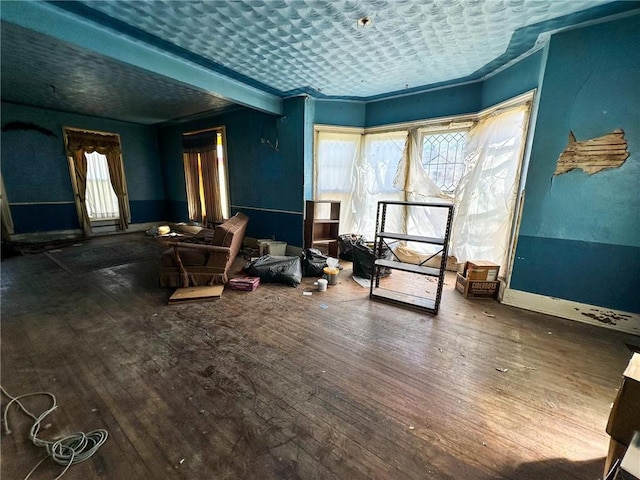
<point x="594" y="155"/>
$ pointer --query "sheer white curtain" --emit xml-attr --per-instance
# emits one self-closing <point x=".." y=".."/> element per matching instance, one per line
<point x="418" y="187"/>
<point x="485" y="199"/>
<point x="335" y="160"/>
<point x="375" y="171"/>
<point x="101" y="199"/>
<point x="361" y="170"/>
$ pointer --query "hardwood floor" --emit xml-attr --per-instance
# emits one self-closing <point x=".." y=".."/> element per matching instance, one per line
<point x="272" y="384"/>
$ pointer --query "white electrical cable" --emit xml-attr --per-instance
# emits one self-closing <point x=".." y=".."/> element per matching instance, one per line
<point x="66" y="451"/>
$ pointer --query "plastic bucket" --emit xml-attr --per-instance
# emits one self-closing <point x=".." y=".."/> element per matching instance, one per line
<point x="322" y="284"/>
<point x="332" y="275"/>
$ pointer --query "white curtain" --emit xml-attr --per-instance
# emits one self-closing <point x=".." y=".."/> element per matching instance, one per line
<point x="101" y="199"/>
<point x="374" y="172"/>
<point x="335" y="159"/>
<point x="361" y="170"/>
<point x="412" y="178"/>
<point x="485" y="199"/>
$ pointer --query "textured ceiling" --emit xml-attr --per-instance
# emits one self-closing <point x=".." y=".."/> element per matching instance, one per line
<point x="281" y="47"/>
<point x="317" y="46"/>
<point x="42" y="71"/>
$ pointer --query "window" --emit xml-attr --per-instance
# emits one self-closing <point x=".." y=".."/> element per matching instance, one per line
<point x="222" y="172"/>
<point x="102" y="202"/>
<point x="383" y="153"/>
<point x="335" y="155"/>
<point x="473" y="161"/>
<point x="334" y="168"/>
<point x="358" y="170"/>
<point x="206" y="176"/>
<point x="443" y="157"/>
<point x="97" y="177"/>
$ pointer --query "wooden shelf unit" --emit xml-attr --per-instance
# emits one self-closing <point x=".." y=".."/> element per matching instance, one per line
<point x="322" y="221"/>
<point x="383" y="238"/>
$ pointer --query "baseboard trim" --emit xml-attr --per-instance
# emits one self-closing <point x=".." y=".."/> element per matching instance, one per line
<point x="580" y="312"/>
<point x="132" y="228"/>
<point x="97" y="232"/>
<point x="43" y="236"/>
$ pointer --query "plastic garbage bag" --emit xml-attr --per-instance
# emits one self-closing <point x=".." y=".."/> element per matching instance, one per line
<point x="346" y="243"/>
<point x="313" y="261"/>
<point x="363" y="258"/>
<point x="276" y="269"/>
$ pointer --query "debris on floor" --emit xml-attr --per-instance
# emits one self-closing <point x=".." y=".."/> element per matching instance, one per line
<point x="246" y="284"/>
<point x="196" y="294"/>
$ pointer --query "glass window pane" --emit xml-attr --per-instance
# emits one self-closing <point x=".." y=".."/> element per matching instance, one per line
<point x="443" y="157"/>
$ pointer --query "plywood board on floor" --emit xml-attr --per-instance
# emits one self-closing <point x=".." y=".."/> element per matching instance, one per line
<point x="196" y="294"/>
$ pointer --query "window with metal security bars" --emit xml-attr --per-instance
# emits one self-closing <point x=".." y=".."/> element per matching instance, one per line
<point x="443" y="158"/>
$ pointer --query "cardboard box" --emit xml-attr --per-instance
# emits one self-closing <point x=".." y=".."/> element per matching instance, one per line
<point x="247" y="284"/>
<point x="630" y="466"/>
<point x="476" y="289"/>
<point x="624" y="418"/>
<point x="481" y="270"/>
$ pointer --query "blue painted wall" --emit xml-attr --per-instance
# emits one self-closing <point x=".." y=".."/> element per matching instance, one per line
<point x="520" y="77"/>
<point x="437" y="103"/>
<point x="36" y="172"/>
<point x="345" y="113"/>
<point x="471" y="98"/>
<point x="265" y="182"/>
<point x="580" y="234"/>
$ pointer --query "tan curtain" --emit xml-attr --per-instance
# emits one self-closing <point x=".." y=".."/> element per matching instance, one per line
<point x="80" y="169"/>
<point x="116" y="175"/>
<point x="211" y="185"/>
<point x="79" y="143"/>
<point x="192" y="178"/>
<point x="203" y="144"/>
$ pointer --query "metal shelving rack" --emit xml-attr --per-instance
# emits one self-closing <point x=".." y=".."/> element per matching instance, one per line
<point x="386" y="239"/>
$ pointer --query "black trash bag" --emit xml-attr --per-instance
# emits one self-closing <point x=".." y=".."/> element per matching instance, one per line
<point x="363" y="257"/>
<point x="313" y="262"/>
<point x="276" y="269"/>
<point x="346" y="243"/>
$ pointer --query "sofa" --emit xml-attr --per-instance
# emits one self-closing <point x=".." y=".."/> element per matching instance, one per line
<point x="206" y="258"/>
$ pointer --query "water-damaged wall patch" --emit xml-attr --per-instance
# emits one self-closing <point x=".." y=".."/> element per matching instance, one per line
<point x="594" y="155"/>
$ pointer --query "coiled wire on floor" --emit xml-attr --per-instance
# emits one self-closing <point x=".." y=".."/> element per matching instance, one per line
<point x="66" y="451"/>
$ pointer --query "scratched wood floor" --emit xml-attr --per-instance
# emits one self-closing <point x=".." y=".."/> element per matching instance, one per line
<point x="272" y="384"/>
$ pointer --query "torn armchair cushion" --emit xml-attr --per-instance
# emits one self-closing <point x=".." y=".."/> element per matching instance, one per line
<point x="207" y="260"/>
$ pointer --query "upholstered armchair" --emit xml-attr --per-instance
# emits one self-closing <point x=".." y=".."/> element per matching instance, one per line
<point x="205" y="259"/>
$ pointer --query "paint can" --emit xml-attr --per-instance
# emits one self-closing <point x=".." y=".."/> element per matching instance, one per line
<point x="332" y="275"/>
